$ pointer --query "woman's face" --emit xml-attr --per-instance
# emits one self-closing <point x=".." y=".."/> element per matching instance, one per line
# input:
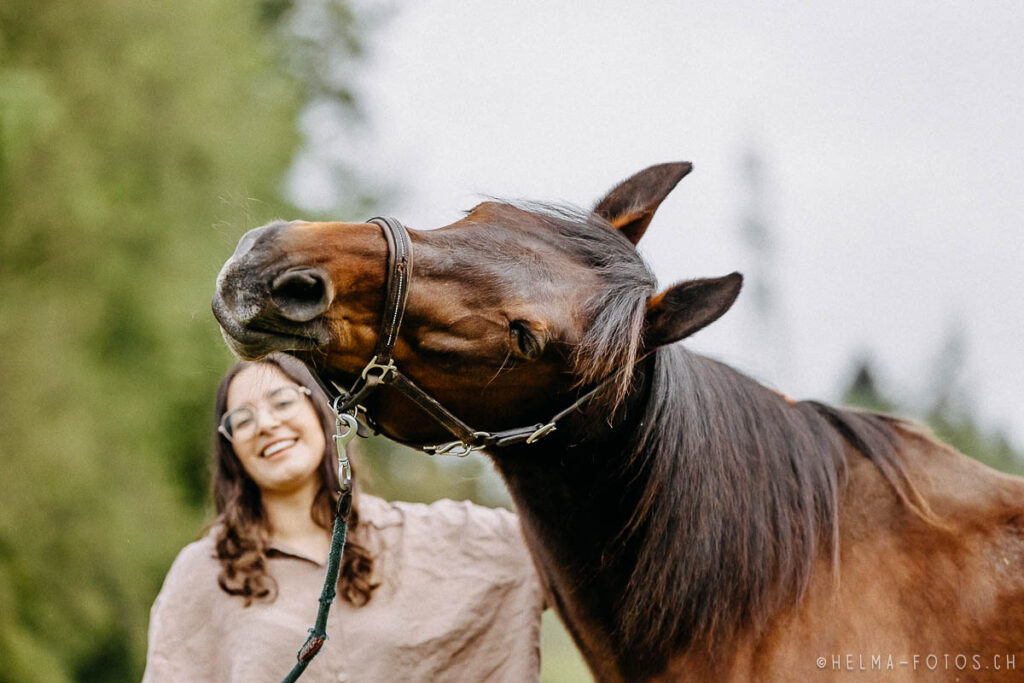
<point x="284" y="451"/>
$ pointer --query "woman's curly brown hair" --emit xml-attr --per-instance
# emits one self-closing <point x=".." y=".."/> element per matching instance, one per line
<point x="242" y="533"/>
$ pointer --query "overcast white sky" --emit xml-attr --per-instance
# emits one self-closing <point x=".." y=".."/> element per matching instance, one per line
<point x="892" y="135"/>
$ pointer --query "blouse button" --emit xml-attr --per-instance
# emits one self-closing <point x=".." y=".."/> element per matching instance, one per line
<point x="342" y="677"/>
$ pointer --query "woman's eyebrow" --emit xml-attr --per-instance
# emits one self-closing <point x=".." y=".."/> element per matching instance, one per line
<point x="267" y="394"/>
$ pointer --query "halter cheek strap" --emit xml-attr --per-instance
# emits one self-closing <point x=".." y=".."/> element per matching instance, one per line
<point x="381" y="370"/>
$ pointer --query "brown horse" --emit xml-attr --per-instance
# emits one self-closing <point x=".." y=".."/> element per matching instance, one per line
<point x="688" y="523"/>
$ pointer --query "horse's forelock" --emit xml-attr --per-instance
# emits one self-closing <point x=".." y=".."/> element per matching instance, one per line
<point x="614" y="314"/>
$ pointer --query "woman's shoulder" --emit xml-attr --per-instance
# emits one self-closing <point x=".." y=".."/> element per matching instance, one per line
<point x="460" y="516"/>
<point x="456" y="586"/>
<point x="448" y="530"/>
<point x="464" y="516"/>
<point x="201" y="552"/>
<point x="195" y="567"/>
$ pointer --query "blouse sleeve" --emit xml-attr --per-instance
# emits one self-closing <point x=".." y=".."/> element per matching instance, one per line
<point x="460" y="600"/>
<point x="512" y="551"/>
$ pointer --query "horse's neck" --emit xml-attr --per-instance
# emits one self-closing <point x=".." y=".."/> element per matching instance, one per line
<point x="581" y="469"/>
<point x="574" y="493"/>
<point x="681" y="535"/>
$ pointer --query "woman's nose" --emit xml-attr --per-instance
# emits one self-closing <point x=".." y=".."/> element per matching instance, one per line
<point x="266" y="418"/>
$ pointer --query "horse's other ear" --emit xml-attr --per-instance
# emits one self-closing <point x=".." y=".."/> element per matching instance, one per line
<point x="631" y="204"/>
<point x="684" y="308"/>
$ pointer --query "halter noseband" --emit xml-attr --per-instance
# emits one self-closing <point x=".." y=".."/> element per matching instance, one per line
<point x="381" y="370"/>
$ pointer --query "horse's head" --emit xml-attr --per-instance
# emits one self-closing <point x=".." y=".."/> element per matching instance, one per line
<point x="509" y="309"/>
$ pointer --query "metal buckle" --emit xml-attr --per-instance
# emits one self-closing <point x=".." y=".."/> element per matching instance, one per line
<point x="459" y="449"/>
<point x="374" y="365"/>
<point x="541" y="432"/>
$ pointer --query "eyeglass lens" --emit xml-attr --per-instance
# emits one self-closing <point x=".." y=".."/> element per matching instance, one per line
<point x="241" y="424"/>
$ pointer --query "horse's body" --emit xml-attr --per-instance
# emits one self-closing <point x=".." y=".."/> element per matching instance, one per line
<point x="903" y="587"/>
<point x="689" y="524"/>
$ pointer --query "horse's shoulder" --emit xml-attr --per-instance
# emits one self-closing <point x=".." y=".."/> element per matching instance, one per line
<point x="967" y="504"/>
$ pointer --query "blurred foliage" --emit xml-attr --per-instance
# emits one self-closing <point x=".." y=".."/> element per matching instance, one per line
<point x="137" y="142"/>
<point x="560" y="661"/>
<point x="396" y="472"/>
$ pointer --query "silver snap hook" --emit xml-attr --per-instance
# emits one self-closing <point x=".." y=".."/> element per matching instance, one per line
<point x="347" y="428"/>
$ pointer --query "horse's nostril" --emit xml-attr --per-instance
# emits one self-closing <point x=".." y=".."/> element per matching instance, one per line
<point x="298" y="283"/>
<point x="301" y="294"/>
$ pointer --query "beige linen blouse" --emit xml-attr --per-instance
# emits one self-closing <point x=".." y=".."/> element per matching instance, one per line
<point x="459" y="600"/>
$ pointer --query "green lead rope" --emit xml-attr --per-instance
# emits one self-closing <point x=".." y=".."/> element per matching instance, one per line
<point x="318" y="634"/>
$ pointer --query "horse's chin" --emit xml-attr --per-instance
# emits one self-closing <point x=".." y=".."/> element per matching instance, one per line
<point x="251" y="343"/>
<point x="254" y="345"/>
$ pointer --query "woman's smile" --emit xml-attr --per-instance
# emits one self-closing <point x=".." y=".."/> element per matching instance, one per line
<point x="276" y="447"/>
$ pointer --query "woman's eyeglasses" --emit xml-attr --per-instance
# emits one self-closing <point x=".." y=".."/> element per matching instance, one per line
<point x="242" y="423"/>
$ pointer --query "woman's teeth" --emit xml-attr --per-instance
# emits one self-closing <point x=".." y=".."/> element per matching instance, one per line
<point x="277" y="447"/>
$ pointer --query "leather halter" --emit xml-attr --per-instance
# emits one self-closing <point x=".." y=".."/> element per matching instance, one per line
<point x="381" y="370"/>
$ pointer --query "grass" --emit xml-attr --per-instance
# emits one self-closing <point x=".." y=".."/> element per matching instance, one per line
<point x="560" y="661"/>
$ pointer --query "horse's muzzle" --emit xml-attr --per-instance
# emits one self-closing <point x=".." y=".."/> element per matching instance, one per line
<point x="262" y="308"/>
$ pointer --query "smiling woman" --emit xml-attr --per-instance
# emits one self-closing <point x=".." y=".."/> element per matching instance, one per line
<point x="437" y="592"/>
<point x="277" y="439"/>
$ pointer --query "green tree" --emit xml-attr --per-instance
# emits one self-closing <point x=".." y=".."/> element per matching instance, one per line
<point x="137" y="141"/>
<point x="947" y="413"/>
<point x="863" y="390"/>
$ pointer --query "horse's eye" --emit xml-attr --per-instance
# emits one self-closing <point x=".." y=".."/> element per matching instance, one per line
<point x="525" y="343"/>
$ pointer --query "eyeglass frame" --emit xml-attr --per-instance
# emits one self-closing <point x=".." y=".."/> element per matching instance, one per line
<point x="255" y="413"/>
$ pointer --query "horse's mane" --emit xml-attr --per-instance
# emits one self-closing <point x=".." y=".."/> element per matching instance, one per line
<point x="740" y="501"/>
<point x="740" y="486"/>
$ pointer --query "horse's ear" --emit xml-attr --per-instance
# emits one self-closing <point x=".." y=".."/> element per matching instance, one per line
<point x="631" y="204"/>
<point x="684" y="308"/>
